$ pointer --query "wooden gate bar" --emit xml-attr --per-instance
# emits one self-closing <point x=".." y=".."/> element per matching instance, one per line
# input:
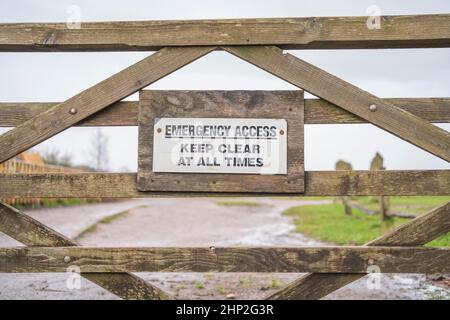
<point x="347" y="96"/>
<point x="31" y="232"/>
<point x="341" y="259"/>
<point x="99" y="96"/>
<point x="404" y="31"/>
<point x="317" y="111"/>
<point x="419" y="231"/>
<point x="317" y="183"/>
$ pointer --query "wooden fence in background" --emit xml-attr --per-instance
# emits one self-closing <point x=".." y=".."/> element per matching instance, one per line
<point x="19" y="166"/>
<point x="261" y="43"/>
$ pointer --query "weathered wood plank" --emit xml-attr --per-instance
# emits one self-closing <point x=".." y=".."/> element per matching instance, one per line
<point x="224" y="183"/>
<point x="31" y="232"/>
<point x="436" y="110"/>
<point x="286" y="105"/>
<point x="347" y="96"/>
<point x="317" y="183"/>
<point x="407" y="31"/>
<point x="317" y="111"/>
<point x="419" y="231"/>
<point x="226" y="259"/>
<point x="99" y="96"/>
<point x="122" y="113"/>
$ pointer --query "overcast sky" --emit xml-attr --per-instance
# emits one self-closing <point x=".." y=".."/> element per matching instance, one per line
<point x="42" y="77"/>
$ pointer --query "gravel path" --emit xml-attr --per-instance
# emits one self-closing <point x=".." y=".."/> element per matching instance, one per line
<point x="191" y="222"/>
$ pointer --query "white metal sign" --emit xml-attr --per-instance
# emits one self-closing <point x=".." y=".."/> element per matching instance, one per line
<point x="220" y="145"/>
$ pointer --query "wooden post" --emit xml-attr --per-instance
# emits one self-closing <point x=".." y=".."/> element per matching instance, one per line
<point x="384" y="207"/>
<point x="377" y="164"/>
<point x="342" y="165"/>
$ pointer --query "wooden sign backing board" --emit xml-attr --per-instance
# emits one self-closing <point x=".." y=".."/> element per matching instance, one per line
<point x="288" y="105"/>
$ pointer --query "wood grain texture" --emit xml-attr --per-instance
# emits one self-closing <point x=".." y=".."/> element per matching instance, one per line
<point x="99" y="96"/>
<point x="31" y="232"/>
<point x="317" y="111"/>
<point x="317" y="183"/>
<point x="226" y="259"/>
<point x="419" y="231"/>
<point x="286" y="105"/>
<point x="347" y="96"/>
<point x="408" y="31"/>
<point x="122" y="113"/>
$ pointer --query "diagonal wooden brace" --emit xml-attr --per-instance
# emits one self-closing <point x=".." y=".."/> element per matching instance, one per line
<point x="30" y="232"/>
<point x="96" y="98"/>
<point x="347" y="96"/>
<point x="419" y="231"/>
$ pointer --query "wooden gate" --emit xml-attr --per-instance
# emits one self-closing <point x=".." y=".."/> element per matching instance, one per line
<point x="261" y="43"/>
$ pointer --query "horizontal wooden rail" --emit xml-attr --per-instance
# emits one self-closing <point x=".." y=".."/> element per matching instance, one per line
<point x="407" y="31"/>
<point x="317" y="111"/>
<point x="19" y="166"/>
<point x="436" y="110"/>
<point x="317" y="183"/>
<point x="227" y="259"/>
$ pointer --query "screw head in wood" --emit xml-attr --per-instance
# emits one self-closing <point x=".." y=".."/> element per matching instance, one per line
<point x="73" y="111"/>
<point x="66" y="259"/>
<point x="373" y="107"/>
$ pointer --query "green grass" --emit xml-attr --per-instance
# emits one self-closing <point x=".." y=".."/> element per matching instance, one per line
<point x="200" y="285"/>
<point x="328" y="223"/>
<point x="443" y="241"/>
<point x="413" y="205"/>
<point x="274" y="284"/>
<point x="240" y="203"/>
<point x="222" y="289"/>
